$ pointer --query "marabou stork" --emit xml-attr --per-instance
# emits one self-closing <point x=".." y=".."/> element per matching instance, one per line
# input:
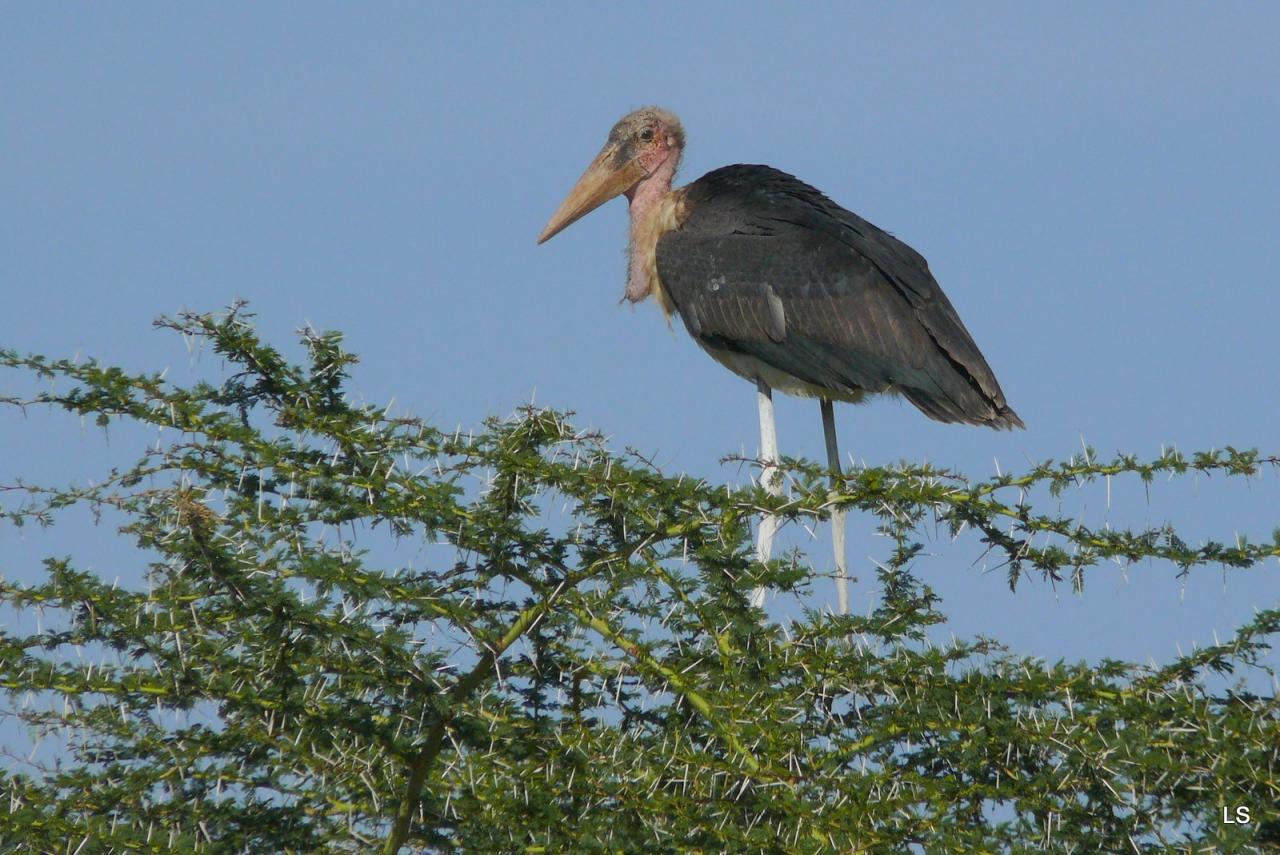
<point x="787" y="289"/>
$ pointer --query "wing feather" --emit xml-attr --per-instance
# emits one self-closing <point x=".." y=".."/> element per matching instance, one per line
<point x="862" y="311"/>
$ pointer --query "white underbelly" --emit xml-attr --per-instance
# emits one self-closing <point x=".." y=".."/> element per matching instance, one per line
<point x="757" y="370"/>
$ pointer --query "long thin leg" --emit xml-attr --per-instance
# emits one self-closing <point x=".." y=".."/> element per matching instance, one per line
<point x="768" y="477"/>
<point x="837" y="515"/>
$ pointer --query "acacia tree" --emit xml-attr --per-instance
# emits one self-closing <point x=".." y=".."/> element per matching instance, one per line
<point x="570" y="661"/>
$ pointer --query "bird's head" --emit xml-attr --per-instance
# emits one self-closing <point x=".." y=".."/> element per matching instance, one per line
<point x="643" y="149"/>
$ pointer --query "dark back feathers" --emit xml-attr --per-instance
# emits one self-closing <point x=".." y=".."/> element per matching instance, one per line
<point x="762" y="253"/>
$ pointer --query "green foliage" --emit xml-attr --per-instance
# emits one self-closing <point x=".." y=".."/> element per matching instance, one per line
<point x="569" y="661"/>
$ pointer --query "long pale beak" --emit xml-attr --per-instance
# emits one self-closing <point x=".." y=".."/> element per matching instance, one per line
<point x="601" y="182"/>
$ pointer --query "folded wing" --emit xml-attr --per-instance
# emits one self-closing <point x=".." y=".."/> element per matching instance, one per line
<point x="766" y="267"/>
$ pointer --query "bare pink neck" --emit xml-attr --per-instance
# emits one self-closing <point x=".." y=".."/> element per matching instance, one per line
<point x="644" y="199"/>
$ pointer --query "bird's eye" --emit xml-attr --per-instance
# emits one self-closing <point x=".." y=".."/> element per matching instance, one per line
<point x="646" y="135"/>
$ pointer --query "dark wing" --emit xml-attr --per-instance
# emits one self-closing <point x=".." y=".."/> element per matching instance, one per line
<point x="766" y="266"/>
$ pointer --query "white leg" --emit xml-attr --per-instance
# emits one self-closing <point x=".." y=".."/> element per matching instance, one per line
<point x="837" y="516"/>
<point x="768" y="477"/>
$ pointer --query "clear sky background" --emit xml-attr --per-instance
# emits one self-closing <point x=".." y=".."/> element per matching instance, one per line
<point x="1095" y="186"/>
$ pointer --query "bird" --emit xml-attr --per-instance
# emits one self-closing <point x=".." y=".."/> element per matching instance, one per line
<point x="786" y="289"/>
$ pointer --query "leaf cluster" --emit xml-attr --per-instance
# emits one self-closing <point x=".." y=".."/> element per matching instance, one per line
<point x="353" y="631"/>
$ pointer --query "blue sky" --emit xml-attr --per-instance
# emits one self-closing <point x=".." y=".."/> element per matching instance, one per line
<point x="1095" y="187"/>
